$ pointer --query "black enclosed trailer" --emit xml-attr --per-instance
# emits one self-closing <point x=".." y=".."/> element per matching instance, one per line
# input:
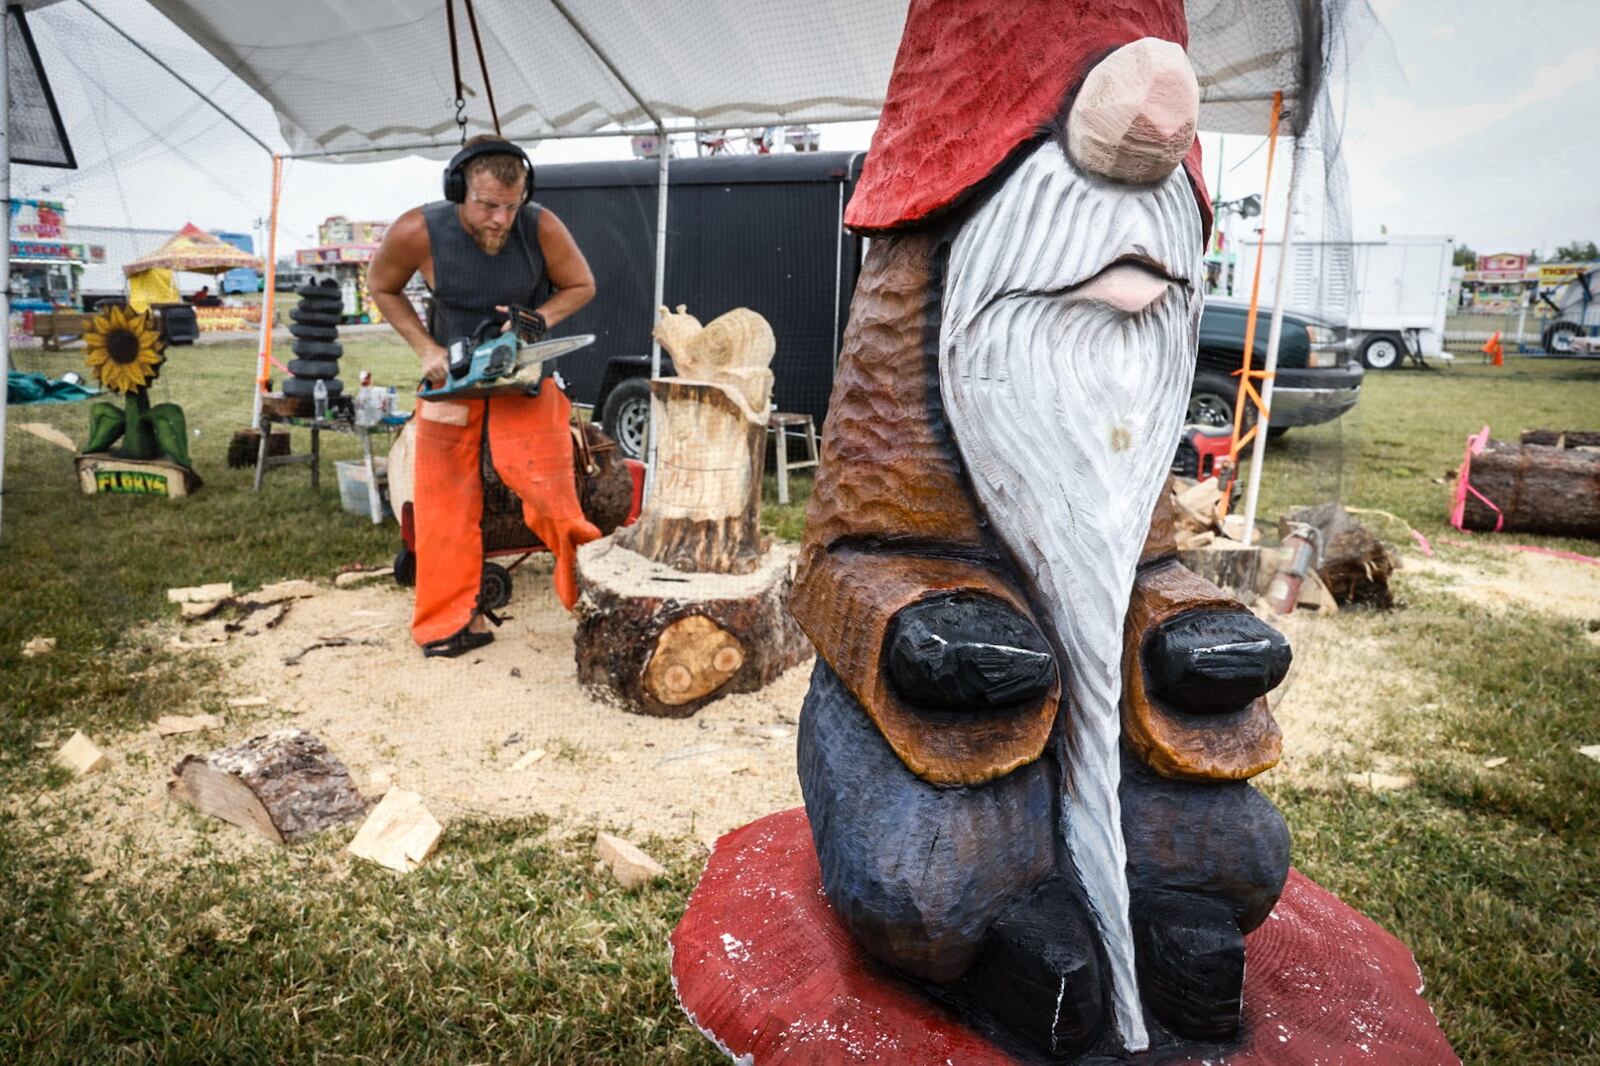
<point x="763" y="232"/>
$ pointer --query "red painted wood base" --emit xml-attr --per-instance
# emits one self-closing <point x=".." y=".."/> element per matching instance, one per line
<point x="764" y="967"/>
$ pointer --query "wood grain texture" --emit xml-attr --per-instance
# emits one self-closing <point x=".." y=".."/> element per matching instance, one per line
<point x="704" y="513"/>
<point x="285" y="785"/>
<point x="763" y="965"/>
<point x="1539" y="489"/>
<point x="1215" y="747"/>
<point x="891" y="521"/>
<point x="628" y="606"/>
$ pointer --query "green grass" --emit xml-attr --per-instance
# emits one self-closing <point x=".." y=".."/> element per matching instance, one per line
<point x="507" y="946"/>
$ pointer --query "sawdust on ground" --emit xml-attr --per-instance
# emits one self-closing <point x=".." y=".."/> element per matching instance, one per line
<point x="1529" y="581"/>
<point x="454" y="730"/>
<point x="464" y="733"/>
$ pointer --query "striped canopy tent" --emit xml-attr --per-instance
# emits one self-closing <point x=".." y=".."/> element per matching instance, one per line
<point x="193" y="249"/>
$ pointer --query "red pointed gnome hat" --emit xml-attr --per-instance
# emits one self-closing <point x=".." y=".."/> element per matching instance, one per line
<point x="976" y="79"/>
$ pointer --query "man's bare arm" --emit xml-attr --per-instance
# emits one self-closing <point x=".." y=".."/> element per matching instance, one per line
<point x="569" y="271"/>
<point x="403" y="252"/>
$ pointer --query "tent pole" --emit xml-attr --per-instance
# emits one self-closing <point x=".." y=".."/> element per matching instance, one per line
<point x="1274" y="335"/>
<point x="5" y="201"/>
<point x="268" y="296"/>
<point x="663" y="144"/>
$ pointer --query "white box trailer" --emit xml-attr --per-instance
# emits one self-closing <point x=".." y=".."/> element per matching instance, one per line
<point x="1393" y="292"/>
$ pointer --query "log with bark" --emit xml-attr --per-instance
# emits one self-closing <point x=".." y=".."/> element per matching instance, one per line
<point x="1562" y="438"/>
<point x="1537" y="489"/>
<point x="666" y="643"/>
<point x="286" y="786"/>
<point x="1355" y="565"/>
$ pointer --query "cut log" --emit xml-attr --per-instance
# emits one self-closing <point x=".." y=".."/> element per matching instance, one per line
<point x="666" y="643"/>
<point x="1562" y="438"/>
<point x="1355" y="564"/>
<point x="399" y="834"/>
<point x="704" y="512"/>
<point x="1226" y="564"/>
<point x="1538" y="490"/>
<point x="286" y="786"/>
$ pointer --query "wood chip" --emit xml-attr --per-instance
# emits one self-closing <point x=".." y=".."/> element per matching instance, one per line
<point x="351" y="578"/>
<point x="381" y="780"/>
<point x="1379" y="782"/>
<point x="50" y="434"/>
<point x="1591" y="750"/>
<point x="629" y="865"/>
<point x="1190" y="541"/>
<point x="1498" y="760"/>
<point x="267" y="595"/>
<point x="399" y="833"/>
<point x="193" y="612"/>
<point x="249" y="701"/>
<point x="80" y="755"/>
<point x="528" y="759"/>
<point x="201" y="593"/>
<point x="38" y="646"/>
<point x="169" y="725"/>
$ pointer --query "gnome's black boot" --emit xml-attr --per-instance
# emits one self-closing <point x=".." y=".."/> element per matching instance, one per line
<point x="1039" y="976"/>
<point x="1190" y="955"/>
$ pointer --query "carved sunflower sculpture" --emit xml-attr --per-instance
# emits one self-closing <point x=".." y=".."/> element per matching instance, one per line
<point x="124" y="349"/>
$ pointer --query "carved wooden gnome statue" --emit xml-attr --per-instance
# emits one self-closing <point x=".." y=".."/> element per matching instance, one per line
<point x="1025" y="747"/>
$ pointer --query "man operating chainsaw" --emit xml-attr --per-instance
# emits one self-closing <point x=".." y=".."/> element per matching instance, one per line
<point x="488" y="253"/>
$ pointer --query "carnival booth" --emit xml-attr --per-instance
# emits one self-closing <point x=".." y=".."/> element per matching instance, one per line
<point x="191" y="249"/>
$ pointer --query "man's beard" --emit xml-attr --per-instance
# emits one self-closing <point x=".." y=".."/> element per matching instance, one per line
<point x="1067" y="413"/>
<point x="491" y="243"/>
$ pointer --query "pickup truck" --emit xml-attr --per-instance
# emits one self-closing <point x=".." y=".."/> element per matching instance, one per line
<point x="1318" y="377"/>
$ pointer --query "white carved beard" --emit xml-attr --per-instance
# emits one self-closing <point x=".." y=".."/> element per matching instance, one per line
<point x="1067" y="413"/>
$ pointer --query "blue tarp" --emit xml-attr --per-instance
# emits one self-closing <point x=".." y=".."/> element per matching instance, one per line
<point x="24" y="388"/>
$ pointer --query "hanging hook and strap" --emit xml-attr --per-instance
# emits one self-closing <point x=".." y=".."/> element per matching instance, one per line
<point x="455" y="67"/>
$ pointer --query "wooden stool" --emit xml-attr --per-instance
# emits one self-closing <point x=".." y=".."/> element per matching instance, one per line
<point x="779" y="423"/>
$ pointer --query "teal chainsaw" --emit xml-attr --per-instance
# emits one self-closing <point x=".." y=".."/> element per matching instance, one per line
<point x="494" y="360"/>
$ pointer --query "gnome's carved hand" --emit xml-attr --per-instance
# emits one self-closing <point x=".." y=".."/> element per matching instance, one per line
<point x="965" y="652"/>
<point x="1212" y="662"/>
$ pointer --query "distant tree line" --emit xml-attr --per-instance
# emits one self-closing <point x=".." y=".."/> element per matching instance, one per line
<point x="1573" y="252"/>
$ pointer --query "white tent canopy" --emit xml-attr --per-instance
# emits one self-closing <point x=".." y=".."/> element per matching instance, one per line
<point x="352" y="80"/>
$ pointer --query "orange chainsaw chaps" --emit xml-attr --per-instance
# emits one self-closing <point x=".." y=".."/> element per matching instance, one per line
<point x="531" y="446"/>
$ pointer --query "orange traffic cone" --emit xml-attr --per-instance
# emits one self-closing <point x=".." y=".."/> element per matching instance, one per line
<point x="1492" y="349"/>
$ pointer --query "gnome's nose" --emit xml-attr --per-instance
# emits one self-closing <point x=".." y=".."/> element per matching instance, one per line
<point x="1134" y="118"/>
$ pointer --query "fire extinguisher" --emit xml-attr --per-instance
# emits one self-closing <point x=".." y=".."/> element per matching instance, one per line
<point x="1303" y="546"/>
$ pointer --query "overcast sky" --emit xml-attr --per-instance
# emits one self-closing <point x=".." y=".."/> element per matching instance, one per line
<point x="1482" y="130"/>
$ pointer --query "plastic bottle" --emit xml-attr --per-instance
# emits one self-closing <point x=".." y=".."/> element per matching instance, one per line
<point x="319" y="400"/>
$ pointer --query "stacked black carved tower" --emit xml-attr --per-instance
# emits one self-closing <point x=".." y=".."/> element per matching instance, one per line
<point x="317" y="349"/>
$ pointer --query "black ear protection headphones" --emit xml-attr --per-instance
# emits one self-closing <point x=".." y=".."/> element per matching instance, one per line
<point x="455" y="174"/>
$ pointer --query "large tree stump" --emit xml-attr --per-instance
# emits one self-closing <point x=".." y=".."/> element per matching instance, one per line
<point x="667" y="643"/>
<point x="1537" y="490"/>
<point x="1355" y="564"/>
<point x="710" y="426"/>
<point x="286" y="786"/>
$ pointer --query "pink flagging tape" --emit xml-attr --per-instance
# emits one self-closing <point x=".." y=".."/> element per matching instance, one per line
<point x="1475" y="445"/>
<point x="1571" y="557"/>
<point x="1422" y="543"/>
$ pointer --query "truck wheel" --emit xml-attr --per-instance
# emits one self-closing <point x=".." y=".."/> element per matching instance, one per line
<point x="1211" y="401"/>
<point x="1384" y="351"/>
<point x="1558" y="337"/>
<point x="626" y="418"/>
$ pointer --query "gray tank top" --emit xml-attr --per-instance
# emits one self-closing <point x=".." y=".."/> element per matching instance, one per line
<point x="468" y="282"/>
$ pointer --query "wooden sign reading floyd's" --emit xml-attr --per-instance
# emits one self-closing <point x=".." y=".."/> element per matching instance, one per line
<point x="1024" y="749"/>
